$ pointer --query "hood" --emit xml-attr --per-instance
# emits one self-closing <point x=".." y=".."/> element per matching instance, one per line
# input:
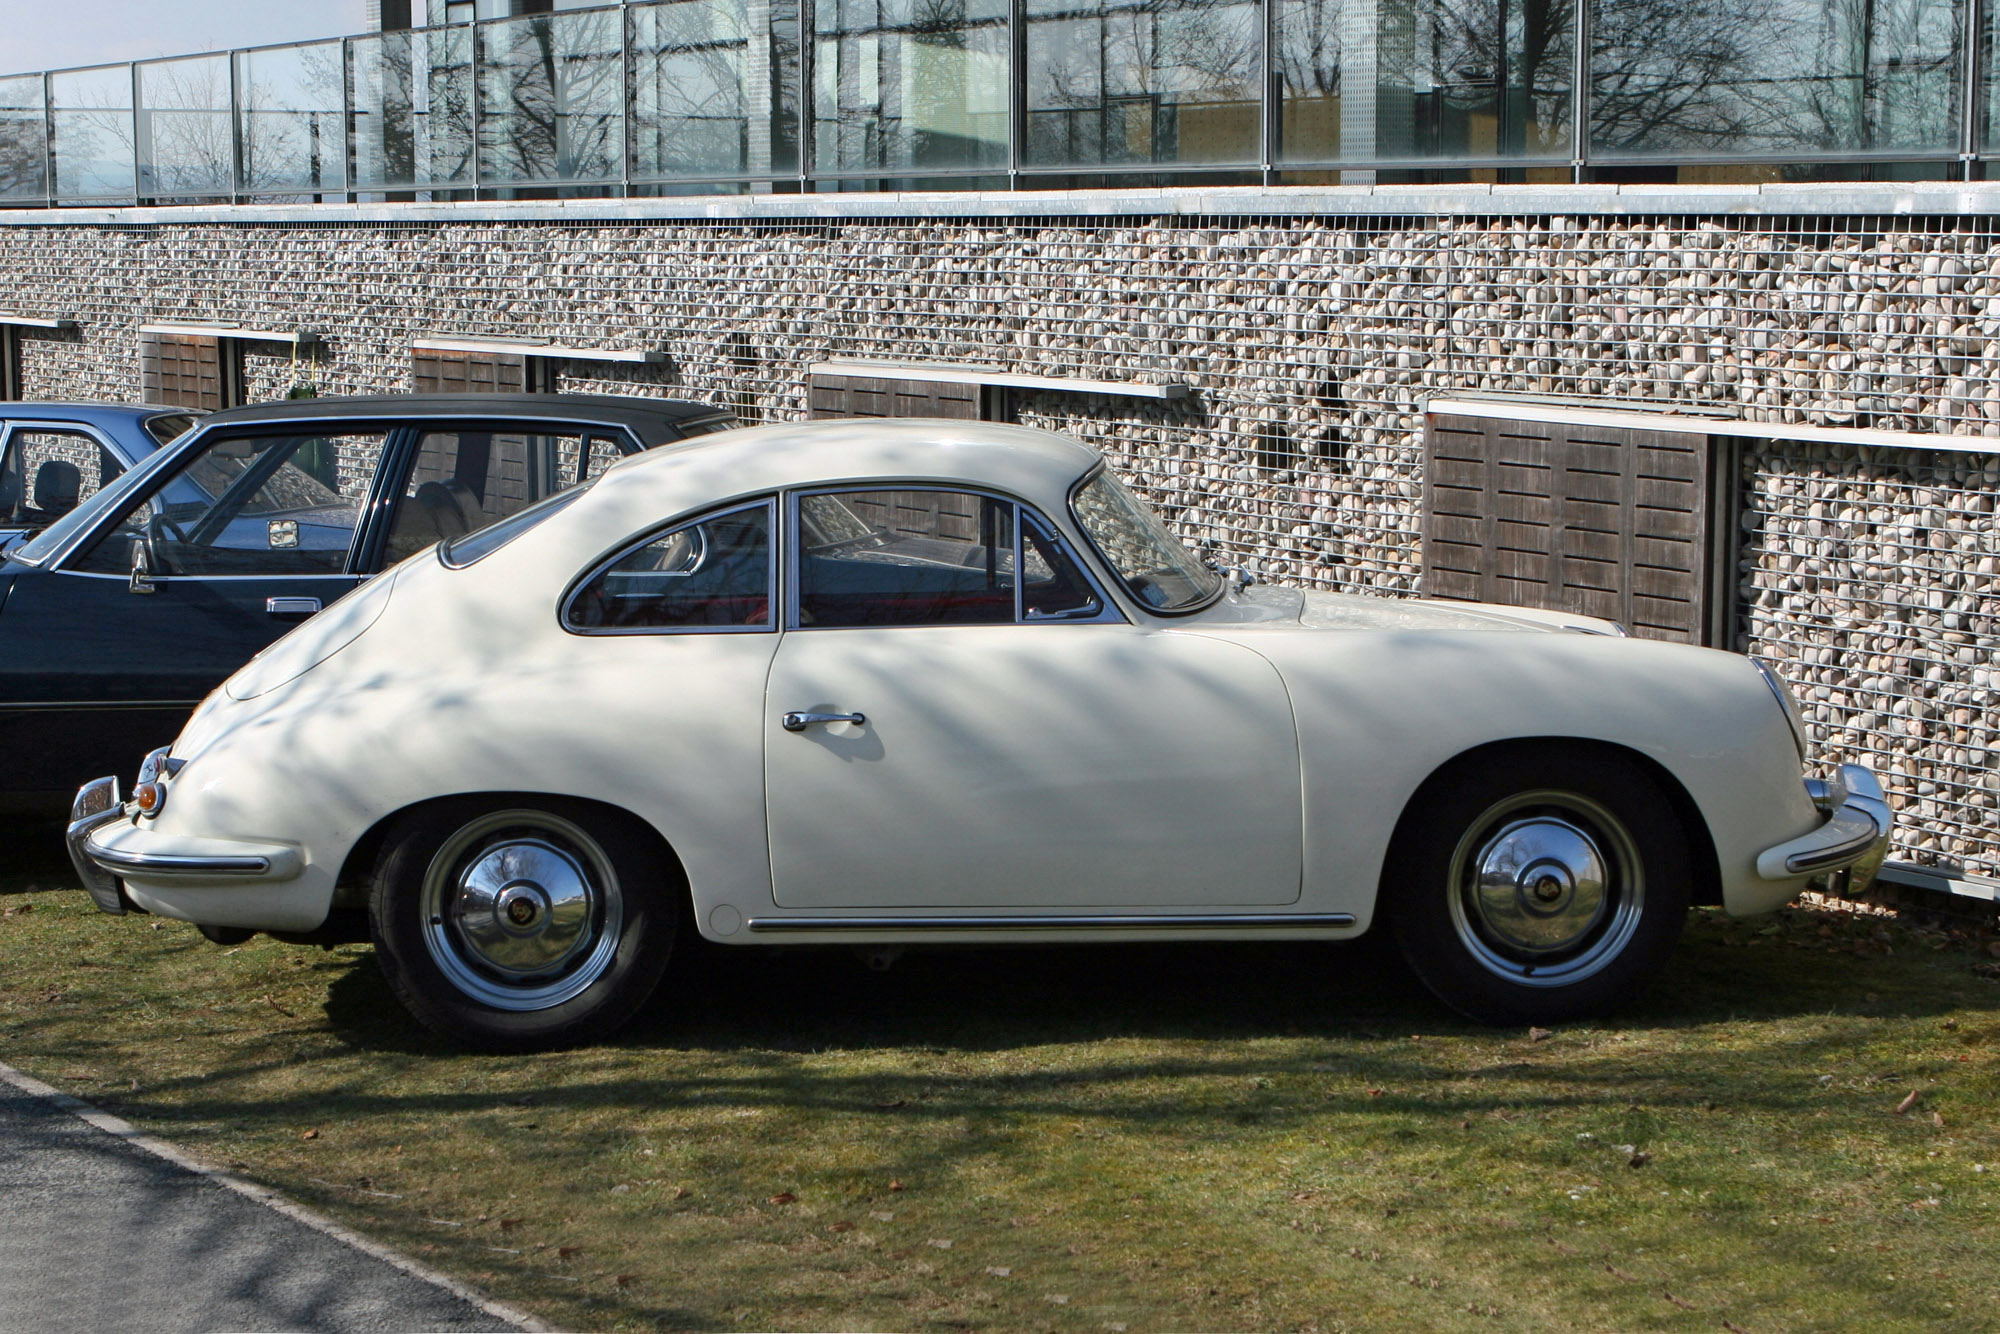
<point x="1264" y="605"/>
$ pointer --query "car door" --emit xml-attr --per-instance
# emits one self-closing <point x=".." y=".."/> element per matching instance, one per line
<point x="254" y="530"/>
<point x="47" y="469"/>
<point x="940" y="734"/>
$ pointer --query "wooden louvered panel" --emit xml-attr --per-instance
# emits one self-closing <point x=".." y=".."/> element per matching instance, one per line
<point x="183" y="371"/>
<point x="440" y="372"/>
<point x="1598" y="521"/>
<point x="867" y="396"/>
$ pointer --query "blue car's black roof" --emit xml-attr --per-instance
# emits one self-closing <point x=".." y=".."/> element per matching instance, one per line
<point x="87" y="411"/>
<point x="651" y="419"/>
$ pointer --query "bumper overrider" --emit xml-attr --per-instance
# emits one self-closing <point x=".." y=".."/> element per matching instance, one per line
<point x="108" y="846"/>
<point x="1849" y="847"/>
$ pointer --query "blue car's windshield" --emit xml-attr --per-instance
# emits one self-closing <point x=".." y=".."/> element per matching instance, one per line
<point x="57" y="535"/>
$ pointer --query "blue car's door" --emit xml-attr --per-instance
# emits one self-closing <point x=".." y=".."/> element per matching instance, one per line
<point x="104" y="652"/>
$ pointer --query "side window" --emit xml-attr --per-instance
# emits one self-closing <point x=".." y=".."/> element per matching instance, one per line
<point x="466" y="478"/>
<point x="259" y="505"/>
<point x="905" y="558"/>
<point x="1053" y="587"/>
<point x="714" y="573"/>
<point x="47" y="472"/>
<point x="598" y="453"/>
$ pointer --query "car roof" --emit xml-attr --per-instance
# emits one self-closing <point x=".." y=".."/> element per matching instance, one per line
<point x="1038" y="466"/>
<point x="608" y="409"/>
<point x="84" y="410"/>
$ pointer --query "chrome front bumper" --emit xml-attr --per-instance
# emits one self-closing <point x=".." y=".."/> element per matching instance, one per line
<point x="1852" y="842"/>
<point x="96" y="805"/>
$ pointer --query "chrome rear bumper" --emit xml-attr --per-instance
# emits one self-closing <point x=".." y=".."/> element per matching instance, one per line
<point x="1852" y="842"/>
<point x="96" y="805"/>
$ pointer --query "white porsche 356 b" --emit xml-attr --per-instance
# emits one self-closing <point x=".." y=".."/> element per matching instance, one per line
<point x="871" y="682"/>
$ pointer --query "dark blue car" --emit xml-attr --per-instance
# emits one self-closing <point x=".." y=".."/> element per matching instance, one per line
<point x="120" y="615"/>
<point x="54" y="456"/>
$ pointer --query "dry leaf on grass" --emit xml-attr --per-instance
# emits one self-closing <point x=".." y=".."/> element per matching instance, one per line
<point x="1903" y="1107"/>
<point x="310" y="1134"/>
<point x="784" y="1197"/>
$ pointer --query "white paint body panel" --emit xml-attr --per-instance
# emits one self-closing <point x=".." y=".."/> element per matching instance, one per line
<point x="1032" y="766"/>
<point x="1252" y="758"/>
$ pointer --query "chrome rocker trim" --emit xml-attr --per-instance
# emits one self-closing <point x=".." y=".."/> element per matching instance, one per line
<point x="1854" y="839"/>
<point x="1174" y="922"/>
<point x="97" y="804"/>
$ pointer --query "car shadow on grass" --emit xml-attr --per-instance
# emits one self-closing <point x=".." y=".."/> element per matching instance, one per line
<point x="1001" y="998"/>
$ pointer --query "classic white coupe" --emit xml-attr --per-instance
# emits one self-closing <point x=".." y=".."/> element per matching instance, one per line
<point x="891" y="682"/>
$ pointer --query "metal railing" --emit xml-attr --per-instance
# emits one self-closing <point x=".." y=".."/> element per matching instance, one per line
<point x="659" y="96"/>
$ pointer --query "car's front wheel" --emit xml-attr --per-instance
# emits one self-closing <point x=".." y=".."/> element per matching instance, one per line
<point x="1547" y="887"/>
<point x="524" y="924"/>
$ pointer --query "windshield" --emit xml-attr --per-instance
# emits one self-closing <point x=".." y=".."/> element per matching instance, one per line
<point x="1152" y="563"/>
<point x="53" y="538"/>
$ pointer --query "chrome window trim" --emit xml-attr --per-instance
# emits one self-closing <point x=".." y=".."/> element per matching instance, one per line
<point x="192" y="441"/>
<point x="1108" y="613"/>
<point x="14" y="424"/>
<point x="672" y="526"/>
<point x="1069" y="501"/>
<point x="167" y="456"/>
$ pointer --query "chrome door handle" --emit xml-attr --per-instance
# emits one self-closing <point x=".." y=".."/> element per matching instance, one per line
<point x="292" y="606"/>
<point x="795" y="721"/>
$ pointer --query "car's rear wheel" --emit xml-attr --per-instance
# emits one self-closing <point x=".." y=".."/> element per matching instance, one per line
<point x="1543" y="888"/>
<point x="519" y="925"/>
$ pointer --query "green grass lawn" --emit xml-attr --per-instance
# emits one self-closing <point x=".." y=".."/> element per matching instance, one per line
<point x="1174" y="1138"/>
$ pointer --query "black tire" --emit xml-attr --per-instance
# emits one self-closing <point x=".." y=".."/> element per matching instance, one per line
<point x="1541" y="887"/>
<point x="523" y="924"/>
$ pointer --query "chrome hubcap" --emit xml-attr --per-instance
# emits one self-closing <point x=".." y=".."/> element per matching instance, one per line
<point x="1546" y="888"/>
<point x="522" y="910"/>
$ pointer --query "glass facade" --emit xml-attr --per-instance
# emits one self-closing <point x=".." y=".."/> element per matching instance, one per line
<point x="552" y="98"/>
<point x="1403" y="81"/>
<point x="715" y="89"/>
<point x="656" y="97"/>
<point x="24" y="140"/>
<point x="183" y="128"/>
<point x="1776" y="78"/>
<point x="90" y="134"/>
<point x="410" y="110"/>
<point x="289" y="120"/>
<point x="910" y="85"/>
<point x="1118" y="82"/>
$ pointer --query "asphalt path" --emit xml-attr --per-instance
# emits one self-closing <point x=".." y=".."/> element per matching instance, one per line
<point x="99" y="1231"/>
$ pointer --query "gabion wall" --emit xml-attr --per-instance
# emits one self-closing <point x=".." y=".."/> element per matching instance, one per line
<point x="1310" y="344"/>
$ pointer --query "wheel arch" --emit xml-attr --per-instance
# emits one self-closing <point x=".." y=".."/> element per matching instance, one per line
<point x="1704" y="867"/>
<point x="358" y="868"/>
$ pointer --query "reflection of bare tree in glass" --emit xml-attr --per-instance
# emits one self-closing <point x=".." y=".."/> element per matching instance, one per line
<point x="1772" y="75"/>
<point x="1112" y="81"/>
<point x="296" y="145"/>
<point x="554" y="94"/>
<point x="184" y="129"/>
<point x="1434" y="64"/>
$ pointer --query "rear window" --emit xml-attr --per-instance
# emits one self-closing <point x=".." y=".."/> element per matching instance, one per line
<point x="705" y="426"/>
<point x="472" y="548"/>
<point x="168" y="426"/>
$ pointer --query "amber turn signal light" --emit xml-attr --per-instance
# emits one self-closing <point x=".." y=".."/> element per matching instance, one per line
<point x="150" y="797"/>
